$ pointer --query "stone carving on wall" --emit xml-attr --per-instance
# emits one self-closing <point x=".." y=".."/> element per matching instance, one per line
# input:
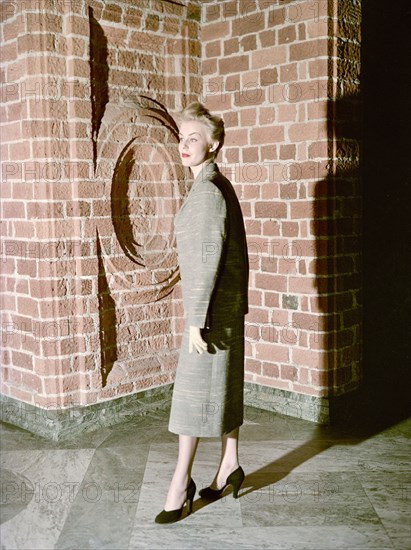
<point x="99" y="95"/>
<point x="135" y="153"/>
<point x="146" y="189"/>
<point x="138" y="158"/>
<point x="107" y="317"/>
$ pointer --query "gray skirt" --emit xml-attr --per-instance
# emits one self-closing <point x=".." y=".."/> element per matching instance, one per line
<point x="208" y="395"/>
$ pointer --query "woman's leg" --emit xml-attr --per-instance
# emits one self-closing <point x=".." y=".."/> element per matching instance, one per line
<point x="229" y="458"/>
<point x="176" y="496"/>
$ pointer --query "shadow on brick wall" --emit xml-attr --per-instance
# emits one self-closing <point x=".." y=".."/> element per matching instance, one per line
<point x="362" y="229"/>
<point x="337" y="228"/>
<point x="386" y="208"/>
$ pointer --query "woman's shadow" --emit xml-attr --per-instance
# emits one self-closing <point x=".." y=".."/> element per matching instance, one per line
<point x="359" y="424"/>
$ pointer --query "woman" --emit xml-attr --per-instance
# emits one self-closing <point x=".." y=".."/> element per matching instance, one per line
<point x="212" y="253"/>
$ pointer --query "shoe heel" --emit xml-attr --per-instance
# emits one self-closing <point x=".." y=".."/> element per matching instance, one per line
<point x="189" y="506"/>
<point x="236" y="480"/>
<point x="235" y="490"/>
<point x="191" y="491"/>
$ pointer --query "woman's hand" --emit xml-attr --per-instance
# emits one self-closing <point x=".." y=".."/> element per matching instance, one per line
<point x="196" y="341"/>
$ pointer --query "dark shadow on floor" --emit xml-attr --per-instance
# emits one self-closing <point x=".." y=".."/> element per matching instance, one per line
<point x="323" y="438"/>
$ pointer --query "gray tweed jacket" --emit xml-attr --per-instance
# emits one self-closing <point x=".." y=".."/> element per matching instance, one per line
<point x="212" y="251"/>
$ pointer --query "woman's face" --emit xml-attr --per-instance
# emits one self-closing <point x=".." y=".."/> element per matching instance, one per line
<point x="195" y="146"/>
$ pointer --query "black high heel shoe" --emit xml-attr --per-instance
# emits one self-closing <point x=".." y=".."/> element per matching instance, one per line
<point x="171" y="516"/>
<point x="235" y="479"/>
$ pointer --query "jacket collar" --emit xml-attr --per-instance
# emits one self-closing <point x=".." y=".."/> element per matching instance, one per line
<point x="207" y="171"/>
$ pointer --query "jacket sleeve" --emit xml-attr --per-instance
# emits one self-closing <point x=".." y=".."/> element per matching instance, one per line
<point x="203" y="245"/>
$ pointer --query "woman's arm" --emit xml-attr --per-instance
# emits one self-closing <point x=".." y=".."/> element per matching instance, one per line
<point x="201" y="247"/>
<point x="196" y="341"/>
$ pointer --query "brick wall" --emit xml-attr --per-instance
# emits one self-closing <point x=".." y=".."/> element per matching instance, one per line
<point x="86" y="313"/>
<point x="285" y="75"/>
<point x="91" y="183"/>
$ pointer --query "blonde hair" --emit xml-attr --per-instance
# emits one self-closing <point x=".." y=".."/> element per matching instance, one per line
<point x="213" y="123"/>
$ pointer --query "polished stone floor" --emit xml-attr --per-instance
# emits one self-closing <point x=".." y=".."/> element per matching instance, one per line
<point x="306" y="487"/>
